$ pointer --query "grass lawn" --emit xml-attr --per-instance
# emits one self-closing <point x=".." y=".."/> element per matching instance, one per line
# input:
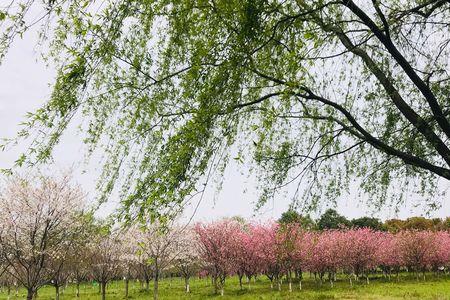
<point x="407" y="288"/>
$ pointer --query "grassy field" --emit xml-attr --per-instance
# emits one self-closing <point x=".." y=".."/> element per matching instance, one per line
<point x="407" y="288"/>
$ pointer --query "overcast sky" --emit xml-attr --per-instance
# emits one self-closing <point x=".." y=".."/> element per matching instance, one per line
<point x="24" y="86"/>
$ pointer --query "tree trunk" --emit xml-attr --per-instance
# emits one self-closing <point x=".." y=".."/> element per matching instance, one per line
<point x="147" y="284"/>
<point x="216" y="288"/>
<point x="30" y="294"/>
<point x="186" y="283"/>
<point x="78" y="289"/>
<point x="126" y="287"/>
<point x="240" y="281"/>
<point x="57" y="292"/>
<point x="290" y="281"/>
<point x="155" y="288"/>
<point x="103" y="287"/>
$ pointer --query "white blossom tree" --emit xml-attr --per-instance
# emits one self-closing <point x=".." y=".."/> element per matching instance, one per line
<point x="37" y="219"/>
<point x="157" y="247"/>
<point x="187" y="259"/>
<point x="129" y="258"/>
<point x="104" y="259"/>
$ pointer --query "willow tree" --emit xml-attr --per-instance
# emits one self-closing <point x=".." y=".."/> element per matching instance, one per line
<point x="316" y="94"/>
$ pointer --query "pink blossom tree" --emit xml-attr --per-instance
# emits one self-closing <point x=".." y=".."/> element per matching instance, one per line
<point x="441" y="258"/>
<point x="389" y="254"/>
<point x="267" y="252"/>
<point x="245" y="248"/>
<point x="418" y="249"/>
<point x="326" y="254"/>
<point x="359" y="251"/>
<point x="214" y="247"/>
<point x="291" y="242"/>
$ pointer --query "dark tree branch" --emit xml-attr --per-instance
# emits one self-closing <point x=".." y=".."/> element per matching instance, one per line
<point x="409" y="113"/>
<point x="406" y="157"/>
<point x="405" y="65"/>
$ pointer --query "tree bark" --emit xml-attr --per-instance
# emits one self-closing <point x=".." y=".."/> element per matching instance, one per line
<point x="147" y="284"/>
<point x="155" y="289"/>
<point x="289" y="281"/>
<point x="103" y="288"/>
<point x="186" y="282"/>
<point x="30" y="294"/>
<point x="57" y="292"/>
<point x="126" y="287"/>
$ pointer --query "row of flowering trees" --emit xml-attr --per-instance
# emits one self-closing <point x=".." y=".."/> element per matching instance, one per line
<point x="279" y="251"/>
<point x="48" y="238"/>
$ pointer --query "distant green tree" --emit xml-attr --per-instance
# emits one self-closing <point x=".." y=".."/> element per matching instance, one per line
<point x="332" y="220"/>
<point x="394" y="225"/>
<point x="446" y="224"/>
<point x="419" y="223"/>
<point x="292" y="216"/>
<point x="289" y="216"/>
<point x="368" y="222"/>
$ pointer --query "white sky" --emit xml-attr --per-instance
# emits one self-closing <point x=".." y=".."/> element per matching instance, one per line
<point x="24" y="85"/>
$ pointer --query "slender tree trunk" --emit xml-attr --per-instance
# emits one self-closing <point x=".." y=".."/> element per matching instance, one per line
<point x="57" y="292"/>
<point x="240" y="281"/>
<point x="103" y="288"/>
<point x="155" y="287"/>
<point x="78" y="289"/>
<point x="147" y="284"/>
<point x="186" y="283"/>
<point x="126" y="287"/>
<point x="9" y="292"/>
<point x="215" y="284"/>
<point x="289" y="281"/>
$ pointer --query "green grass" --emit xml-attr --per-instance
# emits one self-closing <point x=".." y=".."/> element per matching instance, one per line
<point x="407" y="288"/>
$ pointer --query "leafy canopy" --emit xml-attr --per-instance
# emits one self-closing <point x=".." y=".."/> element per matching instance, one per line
<point x="315" y="94"/>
